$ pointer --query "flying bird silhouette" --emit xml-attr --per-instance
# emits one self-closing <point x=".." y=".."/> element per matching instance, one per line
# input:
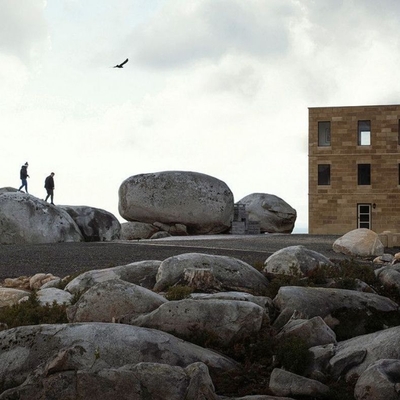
<point x="121" y="65"/>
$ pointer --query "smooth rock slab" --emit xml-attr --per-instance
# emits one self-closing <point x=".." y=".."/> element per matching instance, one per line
<point x="97" y="346"/>
<point x="202" y="203"/>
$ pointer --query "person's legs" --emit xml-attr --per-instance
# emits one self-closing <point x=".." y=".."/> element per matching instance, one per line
<point x="24" y="184"/>
<point x="52" y="196"/>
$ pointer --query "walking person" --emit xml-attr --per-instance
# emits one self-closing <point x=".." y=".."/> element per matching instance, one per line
<point x="23" y="174"/>
<point x="49" y="186"/>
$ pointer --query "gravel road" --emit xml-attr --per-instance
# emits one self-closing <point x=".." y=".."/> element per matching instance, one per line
<point x="62" y="259"/>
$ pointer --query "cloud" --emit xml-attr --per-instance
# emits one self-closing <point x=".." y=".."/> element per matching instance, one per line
<point x="186" y="32"/>
<point x="23" y="28"/>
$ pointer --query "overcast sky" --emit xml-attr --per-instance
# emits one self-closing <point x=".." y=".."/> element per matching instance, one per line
<point x="220" y="87"/>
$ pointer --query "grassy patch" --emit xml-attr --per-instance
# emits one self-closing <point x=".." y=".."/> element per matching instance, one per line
<point x="31" y="312"/>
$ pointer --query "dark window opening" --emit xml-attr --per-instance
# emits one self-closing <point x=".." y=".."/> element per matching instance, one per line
<point x="364" y="174"/>
<point x="324" y="133"/>
<point x="364" y="133"/>
<point x="324" y="174"/>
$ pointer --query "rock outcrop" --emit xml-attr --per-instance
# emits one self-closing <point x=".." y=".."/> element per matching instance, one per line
<point x="273" y="213"/>
<point x="27" y="219"/>
<point x="202" y="203"/>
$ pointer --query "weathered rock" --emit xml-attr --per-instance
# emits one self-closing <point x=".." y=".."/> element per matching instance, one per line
<point x="38" y="280"/>
<point x="26" y="219"/>
<point x="359" y="243"/>
<point x="262" y="301"/>
<point x="172" y="229"/>
<point x="96" y="346"/>
<point x="353" y="356"/>
<point x="354" y="312"/>
<point x="137" y="230"/>
<point x="142" y="273"/>
<point x="112" y="300"/>
<point x="284" y="383"/>
<point x="96" y="225"/>
<point x="160" y="235"/>
<point x="10" y="296"/>
<point x="228" y="273"/>
<point x="51" y="295"/>
<point x="256" y="397"/>
<point x="380" y="381"/>
<point x="8" y="189"/>
<point x="201" y="202"/>
<point x="22" y="282"/>
<point x="389" y="276"/>
<point x="314" y="331"/>
<point x="226" y="321"/>
<point x="273" y="213"/>
<point x="295" y="260"/>
<point x="134" y="381"/>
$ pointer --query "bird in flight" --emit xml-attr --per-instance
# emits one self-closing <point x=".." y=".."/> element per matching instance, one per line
<point x="121" y="65"/>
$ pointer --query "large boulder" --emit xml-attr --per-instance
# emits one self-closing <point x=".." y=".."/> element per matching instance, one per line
<point x="273" y="213"/>
<point x="142" y="273"/>
<point x="145" y="380"/>
<point x="26" y="219"/>
<point x="348" y="312"/>
<point x="359" y="243"/>
<point x="111" y="300"/>
<point x="380" y="381"/>
<point x="226" y="321"/>
<point x="210" y="273"/>
<point x="285" y="383"/>
<point x="96" y="346"/>
<point x="350" y="358"/>
<point x="96" y="225"/>
<point x="295" y="260"/>
<point x="201" y="202"/>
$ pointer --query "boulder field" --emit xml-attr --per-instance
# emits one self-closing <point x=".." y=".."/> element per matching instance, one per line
<point x="129" y="335"/>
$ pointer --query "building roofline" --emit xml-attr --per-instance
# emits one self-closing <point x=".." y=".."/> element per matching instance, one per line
<point x="370" y="105"/>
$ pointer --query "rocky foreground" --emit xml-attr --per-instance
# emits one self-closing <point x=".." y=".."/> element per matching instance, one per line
<point x="207" y="326"/>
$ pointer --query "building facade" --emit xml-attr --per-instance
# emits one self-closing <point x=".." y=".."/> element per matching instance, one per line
<point x="354" y="169"/>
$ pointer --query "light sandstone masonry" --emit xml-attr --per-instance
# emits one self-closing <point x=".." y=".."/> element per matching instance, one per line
<point x="333" y="208"/>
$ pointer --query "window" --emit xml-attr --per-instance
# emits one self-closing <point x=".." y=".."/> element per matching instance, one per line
<point x="398" y="133"/>
<point x="364" y="174"/>
<point x="324" y="174"/>
<point x="364" y="133"/>
<point x="324" y="133"/>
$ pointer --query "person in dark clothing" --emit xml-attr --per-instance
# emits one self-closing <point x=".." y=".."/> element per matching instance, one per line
<point x="49" y="186"/>
<point x="23" y="174"/>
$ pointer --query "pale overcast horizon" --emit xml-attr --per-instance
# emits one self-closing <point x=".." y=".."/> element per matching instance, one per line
<point x="212" y="86"/>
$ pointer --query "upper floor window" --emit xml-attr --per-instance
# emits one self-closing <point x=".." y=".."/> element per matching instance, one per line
<point x="324" y="174"/>
<point x="324" y="133"/>
<point x="364" y="133"/>
<point x="364" y="174"/>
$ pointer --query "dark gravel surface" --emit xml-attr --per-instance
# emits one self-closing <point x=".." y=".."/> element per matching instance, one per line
<point x="62" y="259"/>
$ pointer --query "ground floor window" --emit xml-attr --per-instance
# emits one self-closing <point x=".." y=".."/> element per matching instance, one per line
<point x="324" y="174"/>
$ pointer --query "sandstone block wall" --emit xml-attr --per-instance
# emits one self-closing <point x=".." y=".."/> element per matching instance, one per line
<point x="333" y="208"/>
